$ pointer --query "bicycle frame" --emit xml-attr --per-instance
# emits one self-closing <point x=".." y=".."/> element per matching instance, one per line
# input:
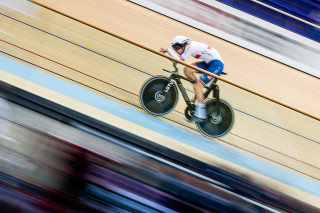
<point x="184" y="92"/>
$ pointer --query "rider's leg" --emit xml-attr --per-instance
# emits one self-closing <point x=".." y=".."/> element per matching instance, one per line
<point x="200" y="111"/>
<point x="214" y="67"/>
<point x="198" y="91"/>
<point x="190" y="73"/>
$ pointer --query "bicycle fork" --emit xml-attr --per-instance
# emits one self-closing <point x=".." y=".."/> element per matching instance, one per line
<point x="171" y="82"/>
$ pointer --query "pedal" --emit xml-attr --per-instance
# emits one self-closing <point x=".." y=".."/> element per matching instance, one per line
<point x="199" y="120"/>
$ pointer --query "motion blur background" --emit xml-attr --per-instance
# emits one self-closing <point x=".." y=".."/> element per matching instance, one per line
<point x="74" y="137"/>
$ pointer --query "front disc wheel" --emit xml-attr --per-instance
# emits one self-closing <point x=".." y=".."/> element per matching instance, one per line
<point x="154" y="100"/>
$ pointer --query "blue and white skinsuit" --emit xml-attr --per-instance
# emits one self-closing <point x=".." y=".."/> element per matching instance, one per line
<point x="212" y="60"/>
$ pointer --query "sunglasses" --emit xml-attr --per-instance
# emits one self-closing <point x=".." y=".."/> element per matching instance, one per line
<point x="177" y="46"/>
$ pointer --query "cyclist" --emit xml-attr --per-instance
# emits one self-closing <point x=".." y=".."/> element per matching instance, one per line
<point x="211" y="62"/>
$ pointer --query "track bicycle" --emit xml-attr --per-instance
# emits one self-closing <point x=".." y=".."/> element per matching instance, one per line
<point x="159" y="96"/>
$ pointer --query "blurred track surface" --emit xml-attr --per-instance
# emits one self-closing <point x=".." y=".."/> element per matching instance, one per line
<point x="95" y="61"/>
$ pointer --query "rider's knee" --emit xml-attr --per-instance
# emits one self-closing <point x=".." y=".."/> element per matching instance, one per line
<point x="189" y="72"/>
<point x="197" y="85"/>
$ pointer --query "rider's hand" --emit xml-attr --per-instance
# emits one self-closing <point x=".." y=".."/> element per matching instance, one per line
<point x="163" y="50"/>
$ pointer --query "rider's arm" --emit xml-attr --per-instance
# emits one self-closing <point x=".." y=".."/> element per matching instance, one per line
<point x="187" y="52"/>
<point x="171" y="53"/>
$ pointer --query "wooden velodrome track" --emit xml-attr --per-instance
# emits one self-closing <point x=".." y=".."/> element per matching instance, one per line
<point x="116" y="70"/>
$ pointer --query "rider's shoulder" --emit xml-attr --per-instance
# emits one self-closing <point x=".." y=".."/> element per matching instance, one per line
<point x="192" y="44"/>
<point x="197" y="44"/>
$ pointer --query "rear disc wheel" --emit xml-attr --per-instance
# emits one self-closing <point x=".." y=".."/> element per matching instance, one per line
<point x="216" y="125"/>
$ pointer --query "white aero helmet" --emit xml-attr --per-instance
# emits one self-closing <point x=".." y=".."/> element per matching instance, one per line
<point x="180" y="40"/>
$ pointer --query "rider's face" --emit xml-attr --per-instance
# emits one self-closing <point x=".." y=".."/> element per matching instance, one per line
<point x="178" y="49"/>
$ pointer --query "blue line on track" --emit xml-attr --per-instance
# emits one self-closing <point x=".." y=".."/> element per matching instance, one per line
<point x="278" y="126"/>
